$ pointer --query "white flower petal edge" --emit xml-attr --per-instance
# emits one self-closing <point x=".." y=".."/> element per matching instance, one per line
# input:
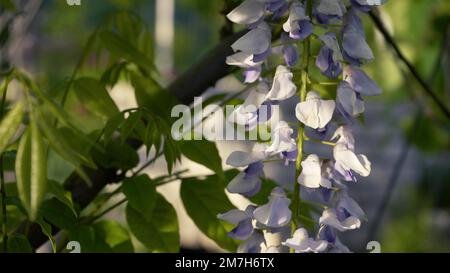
<point x="283" y="87"/>
<point x="311" y="175"/>
<point x="315" y="112"/>
<point x="249" y="12"/>
<point x="301" y="242"/>
<point x="349" y="161"/>
<point x="330" y="218"/>
<point x="282" y="140"/>
<point x="256" y="41"/>
<point x="276" y="212"/>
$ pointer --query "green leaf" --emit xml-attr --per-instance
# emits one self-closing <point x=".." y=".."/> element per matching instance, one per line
<point x="141" y="194"/>
<point x="63" y="196"/>
<point x="203" y="201"/>
<point x="58" y="140"/>
<point x="89" y="241"/>
<point x="120" y="47"/>
<point x="95" y="97"/>
<point x="130" y="124"/>
<point x="58" y="214"/>
<point x="31" y="170"/>
<point x="205" y="153"/>
<point x="19" y="244"/>
<point x="119" y="155"/>
<point x="115" y="236"/>
<point x="160" y="233"/>
<point x="152" y="97"/>
<point x="47" y="230"/>
<point x="10" y="124"/>
<point x="112" y="125"/>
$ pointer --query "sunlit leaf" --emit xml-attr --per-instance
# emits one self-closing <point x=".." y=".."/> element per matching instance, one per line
<point x="9" y="125"/>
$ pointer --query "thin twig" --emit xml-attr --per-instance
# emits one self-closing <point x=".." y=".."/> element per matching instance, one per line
<point x="381" y="27"/>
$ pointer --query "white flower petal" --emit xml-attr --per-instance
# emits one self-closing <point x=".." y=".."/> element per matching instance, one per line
<point x="297" y="12"/>
<point x="329" y="218"/>
<point x="301" y="242"/>
<point x="310" y="176"/>
<point x="350" y="161"/>
<point x="276" y="212"/>
<point x="343" y="135"/>
<point x="315" y="112"/>
<point x="283" y="87"/>
<point x="242" y="159"/>
<point x="233" y="216"/>
<point x="247" y="13"/>
<point x="282" y="140"/>
<point x="242" y="59"/>
<point x="256" y="41"/>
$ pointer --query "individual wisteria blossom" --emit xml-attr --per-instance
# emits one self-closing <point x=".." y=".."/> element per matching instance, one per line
<point x="346" y="161"/>
<point x="301" y="242"/>
<point x="360" y="82"/>
<point x="282" y="140"/>
<point x="282" y="87"/>
<point x="272" y="227"/>
<point x="329" y="11"/>
<point x="315" y="112"/>
<point x="252" y="48"/>
<point x="355" y="48"/>
<point x="311" y="175"/>
<point x="276" y="212"/>
<point x="298" y="25"/>
<point x="242" y="220"/>
<point x="248" y="182"/>
<point x="346" y="216"/>
<point x="329" y="60"/>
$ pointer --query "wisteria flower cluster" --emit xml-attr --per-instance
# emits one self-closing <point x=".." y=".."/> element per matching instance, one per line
<point x="337" y="27"/>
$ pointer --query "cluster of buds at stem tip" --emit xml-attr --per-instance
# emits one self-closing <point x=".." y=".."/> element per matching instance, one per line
<point x="339" y="32"/>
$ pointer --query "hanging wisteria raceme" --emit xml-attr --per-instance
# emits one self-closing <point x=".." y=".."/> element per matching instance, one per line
<point x="336" y="28"/>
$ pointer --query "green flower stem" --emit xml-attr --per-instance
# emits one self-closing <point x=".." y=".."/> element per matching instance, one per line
<point x="301" y="129"/>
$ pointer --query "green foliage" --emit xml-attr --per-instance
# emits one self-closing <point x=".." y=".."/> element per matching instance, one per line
<point x="19" y="244"/>
<point x="95" y="97"/>
<point x="10" y="124"/>
<point x="119" y="155"/>
<point x="57" y="213"/>
<point x="205" y="153"/>
<point x="31" y="170"/>
<point x="141" y="194"/>
<point x="159" y="232"/>
<point x="120" y="47"/>
<point x="203" y="201"/>
<point x="114" y="235"/>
